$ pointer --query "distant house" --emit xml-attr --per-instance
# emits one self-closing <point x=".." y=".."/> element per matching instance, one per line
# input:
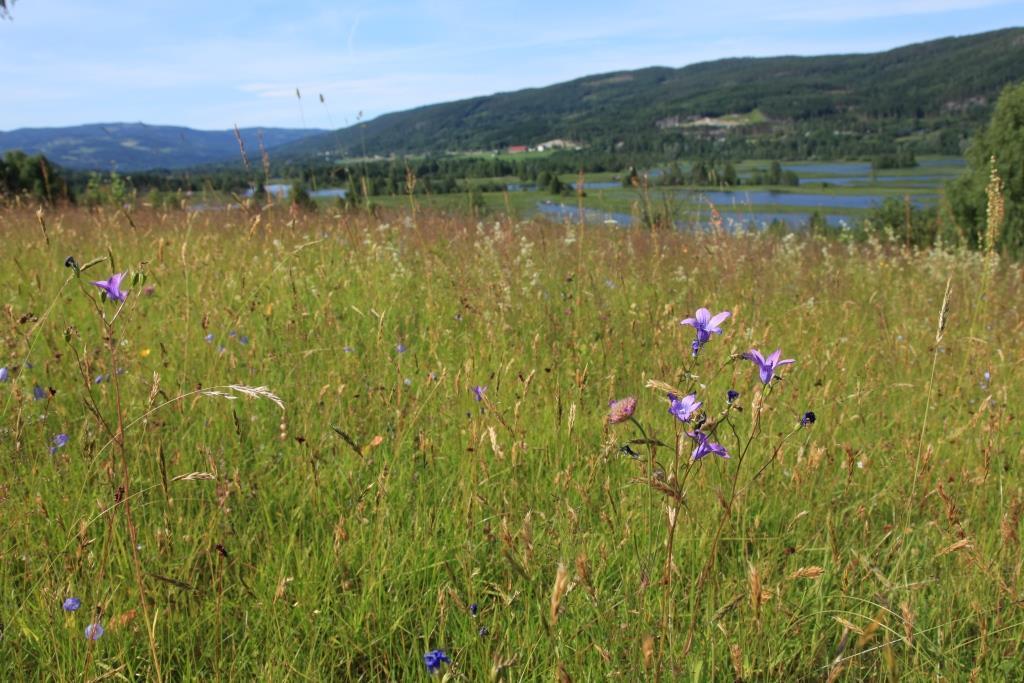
<point x="558" y="144"/>
<point x="518" y="149"/>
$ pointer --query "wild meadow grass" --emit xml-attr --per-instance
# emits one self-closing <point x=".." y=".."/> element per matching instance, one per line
<point x="441" y="472"/>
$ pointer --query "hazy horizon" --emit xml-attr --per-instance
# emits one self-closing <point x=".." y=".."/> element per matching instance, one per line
<point x="211" y="67"/>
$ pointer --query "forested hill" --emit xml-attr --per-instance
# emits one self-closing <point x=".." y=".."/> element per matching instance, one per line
<point x="927" y="96"/>
<point x="137" y="146"/>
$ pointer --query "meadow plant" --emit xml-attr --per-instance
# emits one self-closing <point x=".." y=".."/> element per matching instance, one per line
<point x="561" y="489"/>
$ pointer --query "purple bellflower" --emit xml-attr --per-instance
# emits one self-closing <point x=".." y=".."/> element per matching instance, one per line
<point x="94" y="631"/>
<point x="112" y="287"/>
<point x="705" y="324"/>
<point x="71" y="604"/>
<point x="433" y="660"/>
<point x="767" y="366"/>
<point x="704" y="446"/>
<point x="59" y="441"/>
<point x="684" y="408"/>
<point x="479" y="391"/>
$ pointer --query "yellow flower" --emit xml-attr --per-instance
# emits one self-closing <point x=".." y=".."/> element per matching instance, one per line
<point x="144" y="353"/>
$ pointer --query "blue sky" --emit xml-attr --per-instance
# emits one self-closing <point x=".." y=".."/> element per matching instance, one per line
<point x="213" y="63"/>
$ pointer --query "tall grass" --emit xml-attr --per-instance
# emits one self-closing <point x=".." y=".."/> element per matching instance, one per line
<point x="349" y="532"/>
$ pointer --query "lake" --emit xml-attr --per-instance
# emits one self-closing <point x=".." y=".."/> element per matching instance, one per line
<point x="700" y="219"/>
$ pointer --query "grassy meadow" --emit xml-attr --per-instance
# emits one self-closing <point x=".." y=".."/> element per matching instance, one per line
<point x="382" y="511"/>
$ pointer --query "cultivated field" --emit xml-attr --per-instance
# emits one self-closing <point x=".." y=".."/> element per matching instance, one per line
<point x="322" y="447"/>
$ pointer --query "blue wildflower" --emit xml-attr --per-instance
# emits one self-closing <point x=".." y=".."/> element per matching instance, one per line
<point x="38" y="393"/>
<point x="59" y="441"/>
<point x="94" y="631"/>
<point x="209" y="338"/>
<point x="71" y="604"/>
<point x="479" y="391"/>
<point x="809" y="418"/>
<point x="400" y="348"/>
<point x="243" y="340"/>
<point x="111" y="287"/>
<point x="685" y="407"/>
<point x="705" y="324"/>
<point x="5" y="374"/>
<point x="704" y="446"/>
<point x="473" y="609"/>
<point x="732" y="395"/>
<point x="434" y="659"/>
<point x="767" y="366"/>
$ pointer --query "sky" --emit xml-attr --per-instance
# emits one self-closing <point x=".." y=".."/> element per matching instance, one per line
<point x="212" y="64"/>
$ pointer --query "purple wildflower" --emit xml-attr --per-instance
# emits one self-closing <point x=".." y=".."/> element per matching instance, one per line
<point x="479" y="391"/>
<point x="704" y="446"/>
<point x="243" y="340"/>
<point x="400" y="348"/>
<point x="209" y="338"/>
<point x="112" y="287"/>
<point x="59" y="441"/>
<point x="684" y="408"/>
<point x="731" y="395"/>
<point x="434" y="659"/>
<point x="71" y="604"/>
<point x="473" y="609"/>
<point x="767" y="366"/>
<point x="621" y="410"/>
<point x="809" y="418"/>
<point x="705" y="324"/>
<point x="94" y="631"/>
<point x="38" y="393"/>
<point x="5" y="374"/>
<point x="100" y="379"/>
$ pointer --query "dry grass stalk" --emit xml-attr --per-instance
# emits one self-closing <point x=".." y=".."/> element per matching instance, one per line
<point x="908" y="622"/>
<point x="195" y="476"/>
<point x="849" y="625"/>
<point x="807" y="573"/>
<point x="558" y="591"/>
<point x="953" y="547"/>
<point x="647" y="647"/>
<point x="736" y="655"/>
<point x="944" y="312"/>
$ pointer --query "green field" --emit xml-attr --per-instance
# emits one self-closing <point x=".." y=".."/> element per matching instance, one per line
<point x="342" y="536"/>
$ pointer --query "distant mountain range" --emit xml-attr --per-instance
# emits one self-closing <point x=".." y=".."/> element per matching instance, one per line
<point x="128" y="147"/>
<point x="928" y="97"/>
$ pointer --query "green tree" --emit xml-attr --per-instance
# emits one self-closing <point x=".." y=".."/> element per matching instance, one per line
<point x="729" y="176"/>
<point x="699" y="173"/>
<point x="300" y="197"/>
<point x="1003" y="141"/>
